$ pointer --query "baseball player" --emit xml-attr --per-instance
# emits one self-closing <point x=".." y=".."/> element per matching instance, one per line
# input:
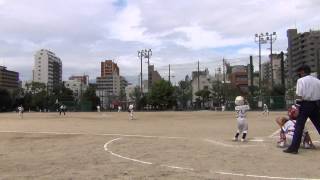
<point x="241" y="110"/>
<point x="62" y="108"/>
<point x="131" y="111"/>
<point x="20" y="111"/>
<point x="287" y="126"/>
<point x="265" y="110"/>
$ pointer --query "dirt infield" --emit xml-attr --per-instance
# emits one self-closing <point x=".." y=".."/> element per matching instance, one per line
<point x="157" y="145"/>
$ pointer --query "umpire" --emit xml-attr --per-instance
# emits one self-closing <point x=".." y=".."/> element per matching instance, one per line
<point x="308" y="95"/>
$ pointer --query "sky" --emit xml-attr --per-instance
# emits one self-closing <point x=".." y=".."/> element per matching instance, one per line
<point x="85" y="32"/>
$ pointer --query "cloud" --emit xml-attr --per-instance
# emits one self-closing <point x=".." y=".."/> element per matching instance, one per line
<point x="83" y="33"/>
<point x="198" y="38"/>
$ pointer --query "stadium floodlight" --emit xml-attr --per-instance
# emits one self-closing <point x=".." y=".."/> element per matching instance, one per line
<point x="260" y="39"/>
<point x="271" y="37"/>
<point x="141" y="54"/>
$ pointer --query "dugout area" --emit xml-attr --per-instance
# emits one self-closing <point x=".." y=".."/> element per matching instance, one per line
<point x="157" y="145"/>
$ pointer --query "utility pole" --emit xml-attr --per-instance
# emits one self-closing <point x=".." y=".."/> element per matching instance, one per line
<point x="224" y="70"/>
<point x="251" y="72"/>
<point x="318" y="63"/>
<point x="282" y="68"/>
<point x="148" y="54"/>
<point x="141" y="55"/>
<point x="260" y="39"/>
<point x="198" y="76"/>
<point x="271" y="37"/>
<point x="169" y="74"/>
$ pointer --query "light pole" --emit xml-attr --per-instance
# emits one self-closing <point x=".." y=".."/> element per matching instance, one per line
<point x="260" y="39"/>
<point x="272" y="38"/>
<point x="148" y="54"/>
<point x="141" y="54"/>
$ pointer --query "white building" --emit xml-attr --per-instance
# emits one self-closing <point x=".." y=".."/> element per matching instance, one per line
<point x="130" y="90"/>
<point x="108" y="89"/>
<point x="47" y="68"/>
<point x="77" y="87"/>
<point x="199" y="82"/>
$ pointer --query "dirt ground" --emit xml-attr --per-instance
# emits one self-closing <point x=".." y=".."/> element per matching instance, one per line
<point x="156" y="145"/>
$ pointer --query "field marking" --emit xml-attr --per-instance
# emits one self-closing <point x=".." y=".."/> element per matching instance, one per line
<point x="136" y="160"/>
<point x="118" y="155"/>
<point x="259" y="176"/>
<point x="274" y="133"/>
<point x="149" y="163"/>
<point x="231" y="145"/>
<point x="94" y="134"/>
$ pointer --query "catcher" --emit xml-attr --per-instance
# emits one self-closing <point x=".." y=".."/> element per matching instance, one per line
<point x="287" y="125"/>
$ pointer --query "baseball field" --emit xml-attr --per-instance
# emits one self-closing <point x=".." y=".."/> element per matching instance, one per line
<point x="156" y="145"/>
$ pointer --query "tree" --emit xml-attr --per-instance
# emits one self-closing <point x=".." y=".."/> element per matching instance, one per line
<point x="90" y="96"/>
<point x="35" y="96"/>
<point x="184" y="93"/>
<point x="5" y="100"/>
<point x="161" y="95"/>
<point x="204" y="94"/>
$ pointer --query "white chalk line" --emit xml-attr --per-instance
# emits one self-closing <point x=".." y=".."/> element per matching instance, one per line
<point x="123" y="157"/>
<point x="259" y="176"/>
<point x="241" y="145"/>
<point x="139" y="161"/>
<point x="94" y="134"/>
<point x="274" y="133"/>
<point x="149" y="163"/>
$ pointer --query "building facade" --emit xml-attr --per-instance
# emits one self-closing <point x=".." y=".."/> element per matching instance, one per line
<point x="9" y="80"/>
<point x="153" y="76"/>
<point x="200" y="80"/>
<point x="108" y="67"/>
<point x="239" y="78"/>
<point x="109" y="84"/>
<point x="303" y="48"/>
<point x="77" y="87"/>
<point x="84" y="79"/>
<point x="47" y="68"/>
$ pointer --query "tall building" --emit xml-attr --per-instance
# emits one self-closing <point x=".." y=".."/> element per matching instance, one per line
<point x="47" y="68"/>
<point x="109" y="84"/>
<point x="77" y="85"/>
<point x="83" y="79"/>
<point x="239" y="78"/>
<point x="303" y="48"/>
<point x="8" y="79"/>
<point x="154" y="76"/>
<point x="108" y="67"/>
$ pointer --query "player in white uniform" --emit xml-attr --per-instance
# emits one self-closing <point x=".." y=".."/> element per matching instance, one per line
<point x="241" y="110"/>
<point x="20" y="111"/>
<point x="265" y="110"/>
<point x="98" y="108"/>
<point x="131" y="111"/>
<point x="287" y="126"/>
<point x="119" y="108"/>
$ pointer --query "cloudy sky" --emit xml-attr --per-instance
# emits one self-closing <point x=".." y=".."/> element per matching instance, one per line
<point x="85" y="32"/>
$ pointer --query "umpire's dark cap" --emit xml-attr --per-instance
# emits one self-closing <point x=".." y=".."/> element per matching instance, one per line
<point x="305" y="68"/>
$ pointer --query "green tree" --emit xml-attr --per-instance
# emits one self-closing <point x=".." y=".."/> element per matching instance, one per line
<point x="161" y="95"/>
<point x="184" y="93"/>
<point x="5" y="100"/>
<point x="35" y="96"/>
<point x="204" y="94"/>
<point x="90" y="96"/>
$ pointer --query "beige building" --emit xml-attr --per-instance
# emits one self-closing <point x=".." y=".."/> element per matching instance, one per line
<point x="199" y="82"/>
<point x="47" y="68"/>
<point x="77" y="87"/>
